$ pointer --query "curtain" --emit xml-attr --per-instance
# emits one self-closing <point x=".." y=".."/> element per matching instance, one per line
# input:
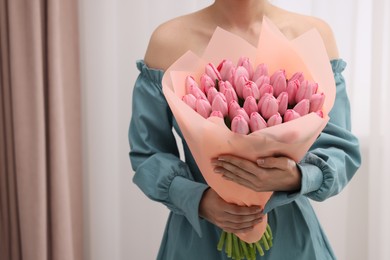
<point x="355" y="220"/>
<point x="40" y="151"/>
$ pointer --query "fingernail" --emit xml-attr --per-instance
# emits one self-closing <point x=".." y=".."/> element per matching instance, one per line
<point x="217" y="170"/>
<point x="260" y="161"/>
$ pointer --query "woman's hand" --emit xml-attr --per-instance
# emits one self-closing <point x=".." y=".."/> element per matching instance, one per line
<point x="267" y="174"/>
<point x="230" y="217"/>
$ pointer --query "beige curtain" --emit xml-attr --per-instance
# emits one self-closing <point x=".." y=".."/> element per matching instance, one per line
<point x="40" y="151"/>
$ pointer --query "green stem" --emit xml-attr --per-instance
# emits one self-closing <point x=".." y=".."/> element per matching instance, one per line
<point x="259" y="248"/>
<point x="236" y="249"/>
<point x="245" y="249"/>
<point x="268" y="228"/>
<point x="221" y="241"/>
<point x="265" y="243"/>
<point x="229" y="245"/>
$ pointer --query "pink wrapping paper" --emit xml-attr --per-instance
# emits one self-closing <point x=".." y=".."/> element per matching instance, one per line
<point x="209" y="138"/>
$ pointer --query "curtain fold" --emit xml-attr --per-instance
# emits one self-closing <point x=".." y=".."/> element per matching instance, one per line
<point x="40" y="151"/>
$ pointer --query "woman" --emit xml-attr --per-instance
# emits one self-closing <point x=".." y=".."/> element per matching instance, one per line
<point x="198" y="214"/>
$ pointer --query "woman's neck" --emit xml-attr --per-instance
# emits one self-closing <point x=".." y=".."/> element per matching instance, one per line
<point x="239" y="14"/>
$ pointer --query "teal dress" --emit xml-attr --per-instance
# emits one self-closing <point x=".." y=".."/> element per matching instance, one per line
<point x="162" y="176"/>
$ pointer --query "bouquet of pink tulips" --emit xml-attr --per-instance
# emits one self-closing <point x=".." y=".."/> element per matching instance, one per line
<point x="249" y="99"/>
<point x="277" y="106"/>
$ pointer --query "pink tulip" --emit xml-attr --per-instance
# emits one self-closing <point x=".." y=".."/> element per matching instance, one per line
<point x="219" y="104"/>
<point x="190" y="100"/>
<point x="223" y="85"/>
<point x="262" y="80"/>
<point x="190" y="83"/>
<point x="306" y="90"/>
<point x="212" y="72"/>
<point x="238" y="73"/>
<point x="256" y="122"/>
<point x="216" y="114"/>
<point x="274" y="120"/>
<point x="316" y="102"/>
<point x="203" y="107"/>
<point x="250" y="105"/>
<point x="261" y="70"/>
<point x="246" y="63"/>
<point x="283" y="102"/>
<point x="230" y="95"/>
<point x="290" y="115"/>
<point x="302" y="107"/>
<point x="268" y="106"/>
<point x="266" y="88"/>
<point x="297" y="76"/>
<point x="320" y="113"/>
<point x="211" y="94"/>
<point x="240" y="83"/>
<point x="194" y="90"/>
<point x="232" y="109"/>
<point x="250" y="89"/>
<point x="291" y="90"/>
<point x="240" y="125"/>
<point x="206" y="83"/>
<point x="278" y="81"/>
<point x="243" y="113"/>
<point x="225" y="69"/>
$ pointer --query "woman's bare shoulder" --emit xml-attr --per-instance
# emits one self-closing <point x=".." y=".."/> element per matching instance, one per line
<point x="296" y="24"/>
<point x="170" y="40"/>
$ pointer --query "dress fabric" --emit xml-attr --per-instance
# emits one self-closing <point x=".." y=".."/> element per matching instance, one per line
<point x="163" y="177"/>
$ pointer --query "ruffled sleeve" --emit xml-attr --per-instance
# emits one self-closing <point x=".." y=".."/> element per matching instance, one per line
<point x="154" y="155"/>
<point x="335" y="156"/>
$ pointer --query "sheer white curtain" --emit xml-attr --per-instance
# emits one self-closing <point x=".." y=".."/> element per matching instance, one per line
<point x="121" y="223"/>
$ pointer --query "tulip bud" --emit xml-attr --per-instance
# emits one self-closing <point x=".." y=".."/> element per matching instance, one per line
<point x="268" y="106"/>
<point x="239" y="125"/>
<point x="283" y="102"/>
<point x="190" y="83"/>
<point x="261" y="70"/>
<point x="278" y="81"/>
<point x="212" y="72"/>
<point x="232" y="109"/>
<point x="274" y="120"/>
<point x="203" y="107"/>
<point x="194" y="90"/>
<point x="211" y="94"/>
<point x="262" y="80"/>
<point x="206" y="83"/>
<point x="240" y="85"/>
<point x="290" y="115"/>
<point x="302" y="108"/>
<point x="219" y="104"/>
<point x="190" y="100"/>
<point x="230" y="95"/>
<point x="243" y="113"/>
<point x="256" y="122"/>
<point x="250" y="105"/>
<point x="266" y="88"/>
<point x="297" y="76"/>
<point x="216" y="114"/>
<point x="225" y="69"/>
<point x="250" y="89"/>
<point x="223" y="85"/>
<point x="320" y="113"/>
<point x="238" y="73"/>
<point x="316" y="102"/>
<point x="306" y="90"/>
<point x="291" y="90"/>
<point x="246" y="63"/>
